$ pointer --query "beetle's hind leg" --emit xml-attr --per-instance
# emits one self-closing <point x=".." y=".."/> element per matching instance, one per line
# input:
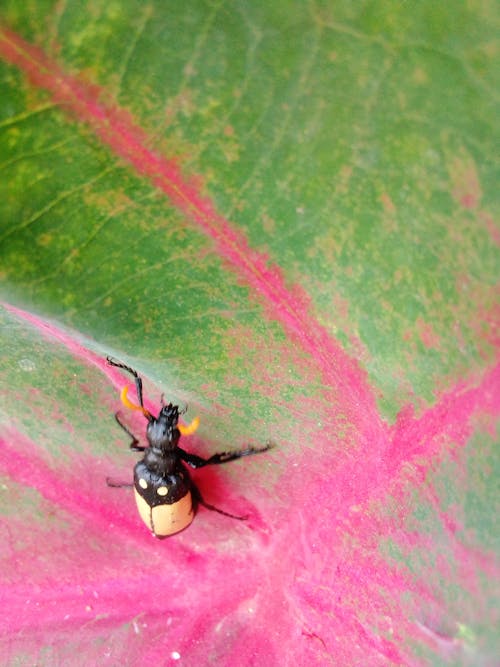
<point x="198" y="500"/>
<point x="118" y="485"/>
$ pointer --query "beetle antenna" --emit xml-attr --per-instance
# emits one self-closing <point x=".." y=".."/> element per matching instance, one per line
<point x="138" y="387"/>
<point x="134" y="373"/>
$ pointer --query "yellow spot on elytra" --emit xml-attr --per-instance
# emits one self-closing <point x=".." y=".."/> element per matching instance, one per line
<point x="162" y="490"/>
<point x="143" y="484"/>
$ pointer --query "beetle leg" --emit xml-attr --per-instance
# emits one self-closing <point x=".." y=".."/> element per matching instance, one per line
<point x="198" y="500"/>
<point x="223" y="457"/>
<point x="134" y="446"/>
<point x="117" y="485"/>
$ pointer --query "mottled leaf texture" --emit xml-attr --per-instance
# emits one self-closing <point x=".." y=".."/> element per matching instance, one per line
<point x="283" y="215"/>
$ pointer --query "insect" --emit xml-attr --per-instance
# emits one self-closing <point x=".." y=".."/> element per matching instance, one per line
<point x="165" y="494"/>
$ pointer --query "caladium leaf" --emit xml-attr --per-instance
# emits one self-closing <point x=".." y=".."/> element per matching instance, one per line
<point x="282" y="216"/>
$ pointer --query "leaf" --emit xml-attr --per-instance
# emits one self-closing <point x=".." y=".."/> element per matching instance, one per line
<point x="283" y="216"/>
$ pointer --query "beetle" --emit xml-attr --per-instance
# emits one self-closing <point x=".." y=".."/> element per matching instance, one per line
<point x="165" y="494"/>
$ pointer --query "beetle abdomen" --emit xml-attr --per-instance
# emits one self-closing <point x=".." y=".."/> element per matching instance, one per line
<point x="166" y="519"/>
<point x="164" y="501"/>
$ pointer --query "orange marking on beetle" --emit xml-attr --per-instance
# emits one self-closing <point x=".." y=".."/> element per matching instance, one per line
<point x="132" y="406"/>
<point x="189" y="429"/>
<point x="185" y="429"/>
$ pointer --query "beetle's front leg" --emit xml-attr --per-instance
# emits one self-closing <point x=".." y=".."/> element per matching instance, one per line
<point x="134" y="446"/>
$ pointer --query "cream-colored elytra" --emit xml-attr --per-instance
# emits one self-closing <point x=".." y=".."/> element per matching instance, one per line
<point x="164" y="520"/>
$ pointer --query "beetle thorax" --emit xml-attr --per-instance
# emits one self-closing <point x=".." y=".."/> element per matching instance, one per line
<point x="161" y="462"/>
<point x="160" y="437"/>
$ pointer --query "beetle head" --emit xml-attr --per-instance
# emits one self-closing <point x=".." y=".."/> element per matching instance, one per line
<point x="162" y="432"/>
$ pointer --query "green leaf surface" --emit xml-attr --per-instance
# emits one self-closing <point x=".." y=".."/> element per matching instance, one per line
<point x="283" y="214"/>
